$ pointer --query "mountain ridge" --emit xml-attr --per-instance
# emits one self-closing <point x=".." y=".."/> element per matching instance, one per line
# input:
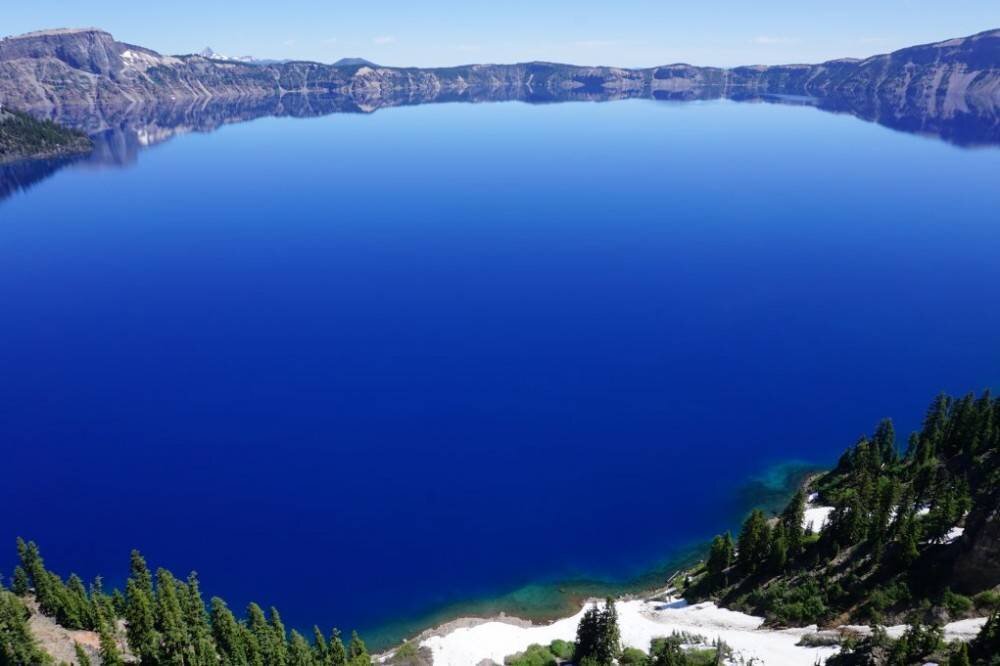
<point x="46" y="71"/>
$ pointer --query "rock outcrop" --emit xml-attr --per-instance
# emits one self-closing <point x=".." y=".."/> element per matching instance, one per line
<point x="59" y="72"/>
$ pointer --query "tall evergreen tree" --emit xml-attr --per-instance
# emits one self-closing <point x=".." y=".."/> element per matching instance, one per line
<point x="321" y="653"/>
<point x="357" y="651"/>
<point x="18" y="646"/>
<point x="754" y="542"/>
<point x="20" y="584"/>
<point x="196" y="620"/>
<point x="109" y="653"/>
<point x="228" y="635"/>
<point x="610" y="645"/>
<point x="793" y="520"/>
<point x="337" y="651"/>
<point x="278" y="637"/>
<point x="299" y="652"/>
<point x="720" y="558"/>
<point x="176" y="648"/>
<point x="140" y="622"/>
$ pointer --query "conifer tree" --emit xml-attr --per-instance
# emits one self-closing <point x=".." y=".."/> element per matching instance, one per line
<point x="299" y="652"/>
<point x="278" y="638"/>
<point x="720" y="558"/>
<point x="18" y="646"/>
<point x="959" y="655"/>
<point x="76" y="607"/>
<point x="140" y="622"/>
<point x="610" y="644"/>
<point x="109" y="653"/>
<point x="884" y="440"/>
<point x="20" y="584"/>
<point x="793" y="522"/>
<point x="321" y="653"/>
<point x="337" y="651"/>
<point x="588" y="633"/>
<point x="82" y="658"/>
<point x="228" y="635"/>
<point x="196" y="621"/>
<point x="358" y="652"/>
<point x="667" y="653"/>
<point x="265" y="640"/>
<point x="175" y="647"/>
<point x="754" y="542"/>
<point x="777" y="556"/>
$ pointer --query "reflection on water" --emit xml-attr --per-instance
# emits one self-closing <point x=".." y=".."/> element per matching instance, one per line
<point x="120" y="134"/>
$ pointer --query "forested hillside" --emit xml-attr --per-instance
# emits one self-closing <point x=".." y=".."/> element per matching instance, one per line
<point x="913" y="537"/>
<point x="22" y="136"/>
<point x="158" y="621"/>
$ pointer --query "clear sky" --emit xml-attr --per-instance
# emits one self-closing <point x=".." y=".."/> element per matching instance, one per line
<point x="447" y="32"/>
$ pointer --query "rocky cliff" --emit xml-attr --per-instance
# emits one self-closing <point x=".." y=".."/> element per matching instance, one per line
<point x="61" y="72"/>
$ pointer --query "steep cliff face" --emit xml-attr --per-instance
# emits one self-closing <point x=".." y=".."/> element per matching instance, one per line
<point x="51" y="70"/>
<point x="87" y="80"/>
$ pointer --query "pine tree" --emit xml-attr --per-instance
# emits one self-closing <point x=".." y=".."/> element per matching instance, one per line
<point x="610" y="643"/>
<point x="175" y="648"/>
<point x="196" y="621"/>
<point x="793" y="520"/>
<point x="264" y="636"/>
<point x="720" y="558"/>
<point x="959" y="655"/>
<point x="299" y="652"/>
<point x="34" y="566"/>
<point x="321" y="654"/>
<point x="588" y="633"/>
<point x="228" y="635"/>
<point x="777" y="557"/>
<point x="140" y="622"/>
<point x="667" y="653"/>
<point x="76" y="607"/>
<point x="109" y="653"/>
<point x="278" y="638"/>
<point x="754" y="542"/>
<point x="337" y="651"/>
<point x="20" y="584"/>
<point x="884" y="440"/>
<point x="358" y="652"/>
<point x="18" y="646"/>
<point x="82" y="658"/>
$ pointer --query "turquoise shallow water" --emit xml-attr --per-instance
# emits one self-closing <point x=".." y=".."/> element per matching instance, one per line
<point x="373" y="368"/>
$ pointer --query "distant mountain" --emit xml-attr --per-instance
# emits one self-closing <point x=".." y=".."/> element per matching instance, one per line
<point x="354" y="62"/>
<point x="87" y="73"/>
<point x="210" y="54"/>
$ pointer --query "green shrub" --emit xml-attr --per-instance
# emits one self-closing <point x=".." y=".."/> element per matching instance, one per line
<point x="633" y="657"/>
<point x="562" y="649"/>
<point x="957" y="604"/>
<point x="987" y="600"/>
<point x="535" y="655"/>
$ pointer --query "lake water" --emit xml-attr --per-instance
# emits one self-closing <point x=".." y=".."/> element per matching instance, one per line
<point x="367" y="368"/>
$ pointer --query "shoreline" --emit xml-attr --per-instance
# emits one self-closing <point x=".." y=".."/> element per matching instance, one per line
<point x="544" y="603"/>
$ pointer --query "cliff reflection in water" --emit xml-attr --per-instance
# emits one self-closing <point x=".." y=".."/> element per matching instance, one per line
<point x="121" y="134"/>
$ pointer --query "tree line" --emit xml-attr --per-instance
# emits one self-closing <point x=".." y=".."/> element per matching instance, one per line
<point x="158" y="621"/>
<point x="893" y="539"/>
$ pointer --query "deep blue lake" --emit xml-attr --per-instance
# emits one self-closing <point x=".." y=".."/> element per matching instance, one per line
<point x="365" y="367"/>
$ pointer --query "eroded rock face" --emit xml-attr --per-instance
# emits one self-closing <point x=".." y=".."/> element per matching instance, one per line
<point x="48" y="71"/>
<point x="978" y="566"/>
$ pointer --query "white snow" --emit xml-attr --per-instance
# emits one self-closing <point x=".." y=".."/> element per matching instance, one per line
<point x="953" y="534"/>
<point x="816" y="517"/>
<point x="962" y="630"/>
<point x="640" y="622"/>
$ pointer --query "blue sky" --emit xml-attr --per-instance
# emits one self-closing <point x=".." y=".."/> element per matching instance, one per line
<point x="443" y="32"/>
